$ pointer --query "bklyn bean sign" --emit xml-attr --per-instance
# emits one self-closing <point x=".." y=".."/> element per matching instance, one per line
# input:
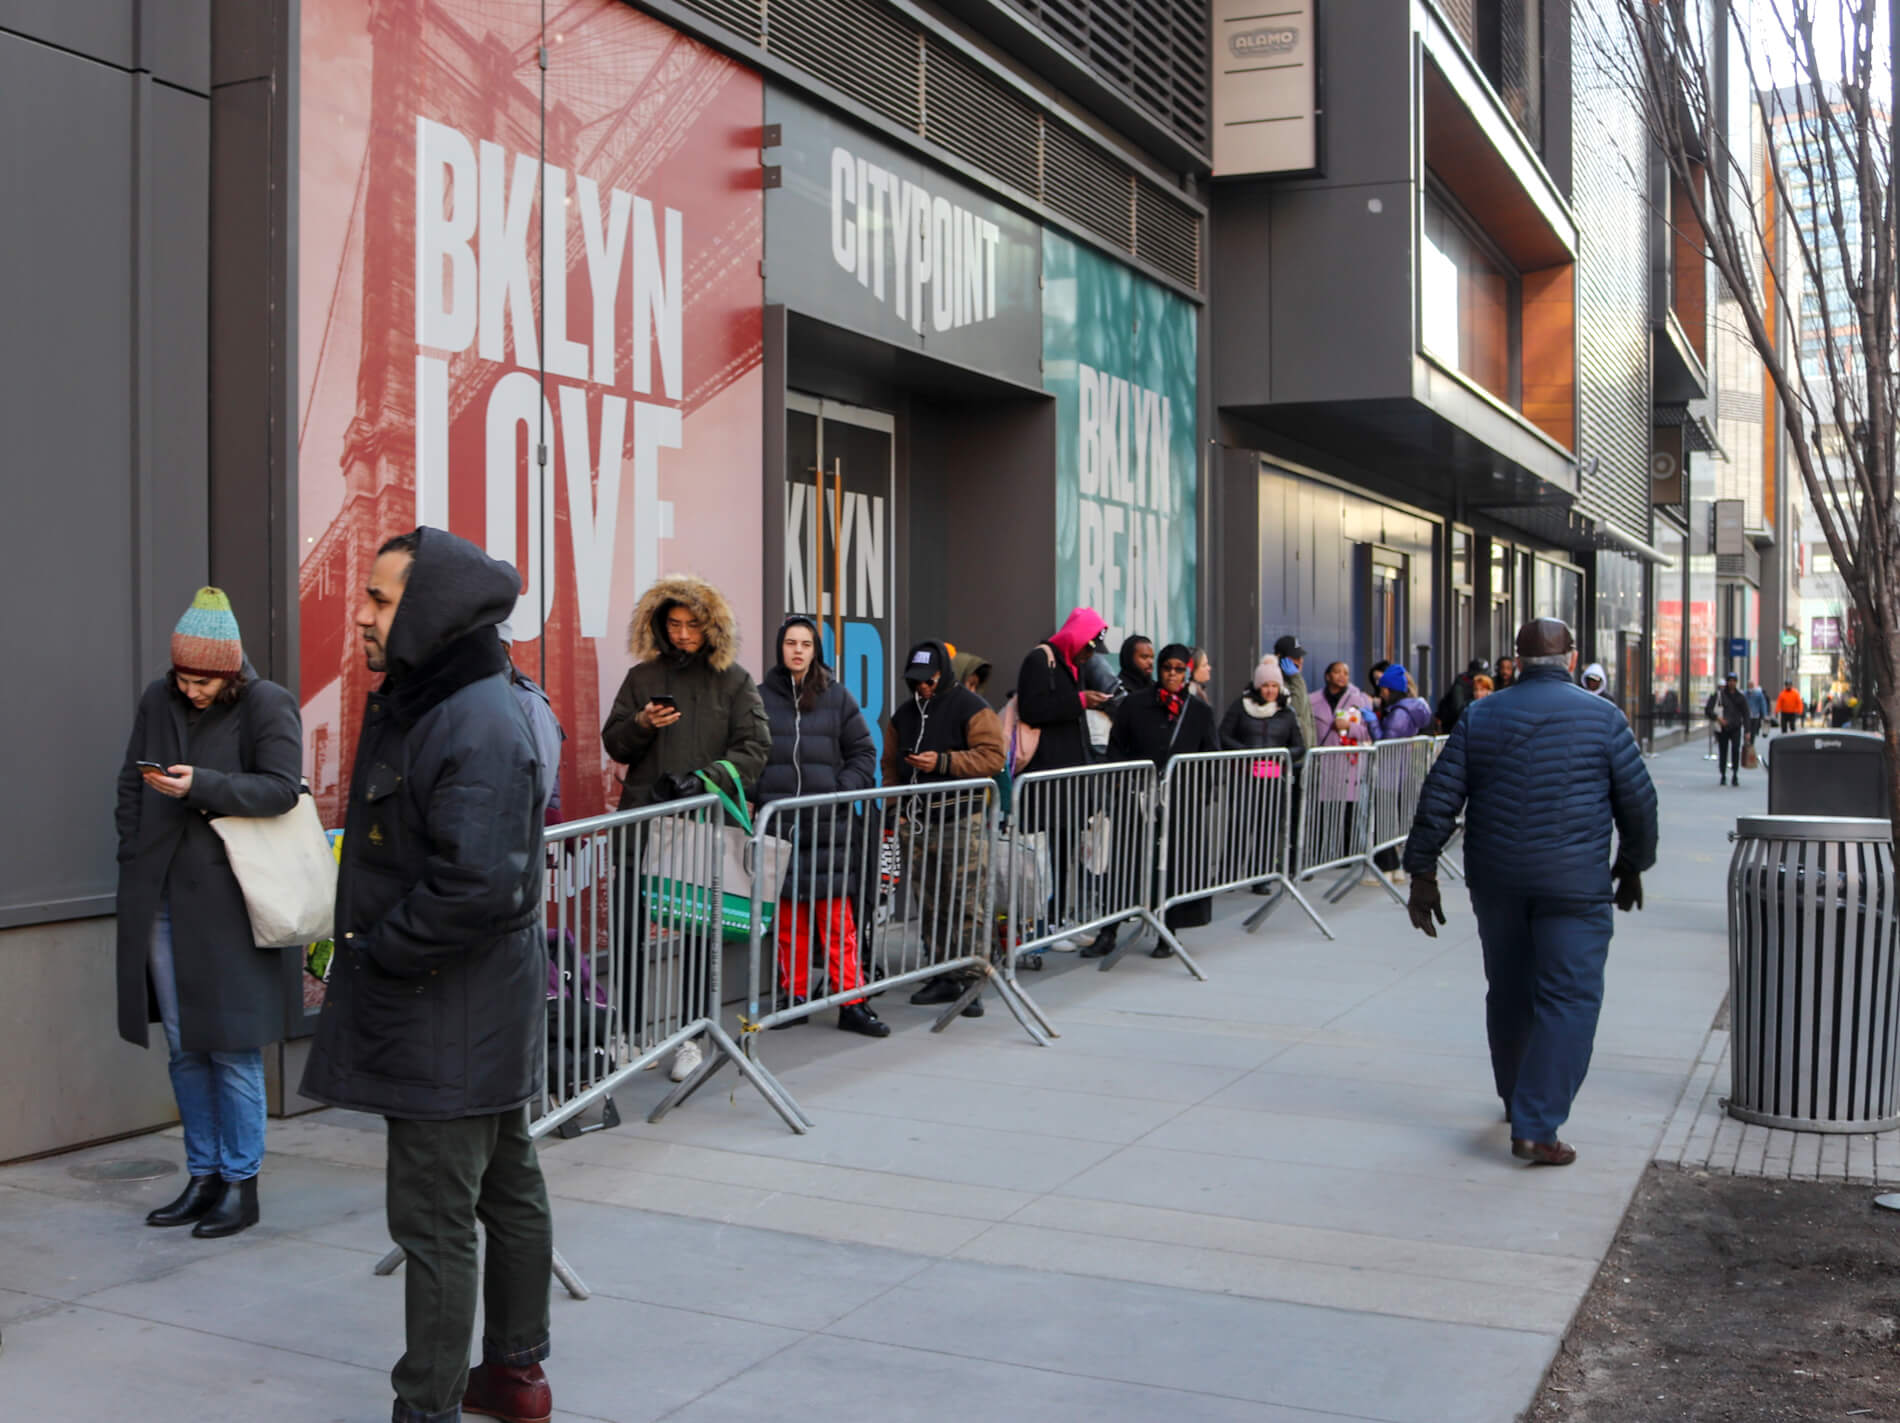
<point x="1119" y="357"/>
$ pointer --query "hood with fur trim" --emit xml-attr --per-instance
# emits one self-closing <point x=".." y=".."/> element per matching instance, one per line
<point x="646" y="634"/>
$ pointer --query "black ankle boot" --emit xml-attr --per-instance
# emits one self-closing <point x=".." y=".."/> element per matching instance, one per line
<point x="1103" y="946"/>
<point x="201" y="1193"/>
<point x="237" y="1211"/>
<point x="856" y="1018"/>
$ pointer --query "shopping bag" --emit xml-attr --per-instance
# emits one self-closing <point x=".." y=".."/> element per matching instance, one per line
<point x="1022" y="862"/>
<point x="1098" y="843"/>
<point x="1749" y="759"/>
<point x="287" y="871"/>
<point x="678" y="851"/>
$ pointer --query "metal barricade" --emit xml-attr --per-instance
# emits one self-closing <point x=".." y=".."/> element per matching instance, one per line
<point x="634" y="916"/>
<point x="1082" y="849"/>
<point x="1456" y="871"/>
<point x="859" y="892"/>
<point x="1228" y="825"/>
<point x="1335" y="819"/>
<point x="1399" y="769"/>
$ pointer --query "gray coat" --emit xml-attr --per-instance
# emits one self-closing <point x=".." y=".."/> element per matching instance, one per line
<point x="231" y="994"/>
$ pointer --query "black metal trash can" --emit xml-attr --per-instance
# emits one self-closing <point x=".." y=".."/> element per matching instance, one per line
<point x="1814" y="978"/>
<point x="1828" y="773"/>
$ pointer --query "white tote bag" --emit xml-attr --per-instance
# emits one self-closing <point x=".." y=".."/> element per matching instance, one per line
<point x="287" y="871"/>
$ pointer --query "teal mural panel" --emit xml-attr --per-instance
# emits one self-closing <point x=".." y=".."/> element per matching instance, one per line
<point x="1119" y="356"/>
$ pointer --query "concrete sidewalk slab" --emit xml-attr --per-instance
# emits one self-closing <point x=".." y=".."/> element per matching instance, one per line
<point x="1283" y="1195"/>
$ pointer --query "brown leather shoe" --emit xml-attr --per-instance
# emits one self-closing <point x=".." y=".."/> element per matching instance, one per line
<point x="1543" y="1153"/>
<point x="512" y="1395"/>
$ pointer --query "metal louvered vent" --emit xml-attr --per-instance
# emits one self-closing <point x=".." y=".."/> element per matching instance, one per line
<point x="1154" y="51"/>
<point x="917" y="81"/>
<point x="985" y="126"/>
<point x="855" y="45"/>
<point x="743" y="17"/>
<point x="1083" y="183"/>
<point x="1167" y="234"/>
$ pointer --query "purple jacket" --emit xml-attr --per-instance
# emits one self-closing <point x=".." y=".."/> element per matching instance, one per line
<point x="1408" y="716"/>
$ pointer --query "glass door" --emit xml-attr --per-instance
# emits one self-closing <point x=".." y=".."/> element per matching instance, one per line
<point x="840" y="554"/>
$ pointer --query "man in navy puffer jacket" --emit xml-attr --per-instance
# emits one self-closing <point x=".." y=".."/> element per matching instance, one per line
<point x="1543" y="771"/>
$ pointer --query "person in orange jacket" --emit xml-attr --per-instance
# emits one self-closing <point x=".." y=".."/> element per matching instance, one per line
<point x="1789" y="707"/>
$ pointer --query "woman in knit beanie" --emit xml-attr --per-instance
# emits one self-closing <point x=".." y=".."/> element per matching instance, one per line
<point x="209" y="739"/>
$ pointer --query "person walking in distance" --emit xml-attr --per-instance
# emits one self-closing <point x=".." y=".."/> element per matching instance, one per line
<point x="435" y="1018"/>
<point x="1757" y="701"/>
<point x="683" y="707"/>
<point x="1543" y="771"/>
<point x="944" y="732"/>
<point x="211" y="738"/>
<point x="820" y="745"/>
<point x="1728" y="709"/>
<point x="1790" y="708"/>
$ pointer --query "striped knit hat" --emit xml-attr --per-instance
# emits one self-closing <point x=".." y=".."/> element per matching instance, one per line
<point x="205" y="643"/>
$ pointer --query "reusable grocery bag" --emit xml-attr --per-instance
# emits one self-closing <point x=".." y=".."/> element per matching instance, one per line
<point x="678" y="854"/>
<point x="287" y="871"/>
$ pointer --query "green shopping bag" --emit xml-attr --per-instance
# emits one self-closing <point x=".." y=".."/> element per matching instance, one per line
<point x="674" y="868"/>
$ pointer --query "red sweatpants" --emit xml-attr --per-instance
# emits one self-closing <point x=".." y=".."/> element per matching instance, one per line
<point x="833" y="921"/>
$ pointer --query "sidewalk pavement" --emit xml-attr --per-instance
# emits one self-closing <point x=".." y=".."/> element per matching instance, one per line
<point x="1280" y="1195"/>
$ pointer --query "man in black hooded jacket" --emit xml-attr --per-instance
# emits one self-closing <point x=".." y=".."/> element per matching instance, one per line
<point x="435" y="1016"/>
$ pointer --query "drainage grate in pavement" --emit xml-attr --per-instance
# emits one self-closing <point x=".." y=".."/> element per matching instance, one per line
<point x="127" y="1169"/>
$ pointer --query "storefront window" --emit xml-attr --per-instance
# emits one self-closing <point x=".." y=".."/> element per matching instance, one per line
<point x="1666" y="643"/>
<point x="1558" y="593"/>
<point x="1468" y="300"/>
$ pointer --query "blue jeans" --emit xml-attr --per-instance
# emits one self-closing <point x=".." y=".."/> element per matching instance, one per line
<point x="220" y="1094"/>
<point x="1543" y="960"/>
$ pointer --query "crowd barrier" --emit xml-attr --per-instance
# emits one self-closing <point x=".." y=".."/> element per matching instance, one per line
<point x="1355" y="802"/>
<point x="1081" y="851"/>
<point x="1449" y="865"/>
<point x="1229" y="826"/>
<point x="860" y="892"/>
<point x="634" y="914"/>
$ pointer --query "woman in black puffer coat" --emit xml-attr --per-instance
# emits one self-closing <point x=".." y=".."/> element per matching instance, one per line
<point x="820" y="745"/>
<point x="1261" y="719"/>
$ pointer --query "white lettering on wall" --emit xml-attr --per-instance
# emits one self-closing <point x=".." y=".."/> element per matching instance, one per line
<point x="1126" y="492"/>
<point x="476" y="287"/>
<point x="941" y="256"/>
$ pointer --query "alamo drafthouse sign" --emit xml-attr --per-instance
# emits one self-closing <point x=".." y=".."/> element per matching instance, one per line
<point x="1266" y="88"/>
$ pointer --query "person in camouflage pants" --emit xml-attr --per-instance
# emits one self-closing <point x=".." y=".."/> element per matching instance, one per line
<point x="944" y="732"/>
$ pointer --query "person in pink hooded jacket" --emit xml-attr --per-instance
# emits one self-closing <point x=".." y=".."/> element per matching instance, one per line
<point x="1050" y="696"/>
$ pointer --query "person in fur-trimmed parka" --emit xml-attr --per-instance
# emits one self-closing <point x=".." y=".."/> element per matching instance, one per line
<point x="684" y="641"/>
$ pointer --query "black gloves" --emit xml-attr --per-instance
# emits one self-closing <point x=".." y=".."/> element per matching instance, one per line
<point x="677" y="785"/>
<point x="1425" y="904"/>
<point x="1629" y="886"/>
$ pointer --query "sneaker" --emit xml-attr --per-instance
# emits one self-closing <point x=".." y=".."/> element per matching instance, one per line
<point x="1064" y="946"/>
<point x="686" y="1061"/>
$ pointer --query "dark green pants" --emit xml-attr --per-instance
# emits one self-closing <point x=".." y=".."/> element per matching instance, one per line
<point x="442" y="1178"/>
